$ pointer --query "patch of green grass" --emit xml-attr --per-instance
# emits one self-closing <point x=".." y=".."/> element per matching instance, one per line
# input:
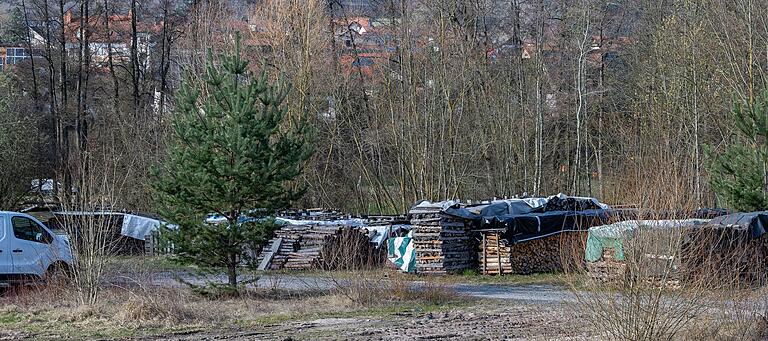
<point x="468" y="276"/>
<point x="383" y="311"/>
<point x="46" y="325"/>
<point x="475" y="277"/>
<point x="10" y="317"/>
<point x="153" y="263"/>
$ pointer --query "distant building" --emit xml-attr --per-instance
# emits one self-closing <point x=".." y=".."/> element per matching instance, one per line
<point x="118" y="38"/>
<point x="12" y="55"/>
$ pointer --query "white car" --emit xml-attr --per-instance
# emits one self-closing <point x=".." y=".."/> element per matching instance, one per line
<point x="29" y="249"/>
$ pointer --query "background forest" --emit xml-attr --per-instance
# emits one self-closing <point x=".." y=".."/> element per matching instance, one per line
<point x="627" y="101"/>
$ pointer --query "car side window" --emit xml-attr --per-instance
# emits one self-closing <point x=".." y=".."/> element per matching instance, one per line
<point x="26" y="229"/>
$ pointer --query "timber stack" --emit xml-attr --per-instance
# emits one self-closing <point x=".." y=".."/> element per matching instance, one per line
<point x="328" y="247"/>
<point x="549" y="254"/>
<point x="443" y="243"/>
<point x="718" y="255"/>
<point x="608" y="268"/>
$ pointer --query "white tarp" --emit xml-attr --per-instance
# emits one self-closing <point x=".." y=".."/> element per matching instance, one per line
<point x="498" y="207"/>
<point x="138" y="227"/>
<point x="346" y="222"/>
<point x="134" y="226"/>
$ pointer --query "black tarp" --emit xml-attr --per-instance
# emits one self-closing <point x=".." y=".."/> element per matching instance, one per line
<point x="507" y="207"/>
<point x="755" y="222"/>
<point x="522" y="227"/>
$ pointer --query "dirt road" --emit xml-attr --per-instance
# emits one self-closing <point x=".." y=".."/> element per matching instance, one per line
<point x="490" y="321"/>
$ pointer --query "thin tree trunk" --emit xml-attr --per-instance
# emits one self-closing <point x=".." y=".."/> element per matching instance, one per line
<point x="110" y="59"/>
<point x="134" y="59"/>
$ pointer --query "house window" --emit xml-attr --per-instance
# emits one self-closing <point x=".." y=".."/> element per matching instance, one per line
<point x="26" y="229"/>
<point x="15" y="55"/>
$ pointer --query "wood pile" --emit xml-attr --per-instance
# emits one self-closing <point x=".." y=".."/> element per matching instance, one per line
<point x="443" y="243"/>
<point x="608" y="268"/>
<point x="724" y="257"/>
<point x="312" y="214"/>
<point x="327" y="247"/>
<point x="494" y="255"/>
<point x="549" y="254"/>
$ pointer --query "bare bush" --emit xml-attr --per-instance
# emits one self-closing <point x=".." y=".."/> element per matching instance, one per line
<point x="674" y="281"/>
<point x="92" y="233"/>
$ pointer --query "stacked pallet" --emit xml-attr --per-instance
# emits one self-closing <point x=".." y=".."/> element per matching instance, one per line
<point x="443" y="243"/>
<point x="494" y="255"/>
<point x="299" y="246"/>
<point x="328" y="247"/>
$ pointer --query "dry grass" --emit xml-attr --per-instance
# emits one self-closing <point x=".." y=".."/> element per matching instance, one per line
<point x="53" y="313"/>
<point x="662" y="295"/>
<point x="379" y="291"/>
<point x="132" y="306"/>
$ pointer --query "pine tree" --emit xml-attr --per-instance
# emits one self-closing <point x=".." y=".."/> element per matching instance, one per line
<point x="232" y="154"/>
<point x="739" y="176"/>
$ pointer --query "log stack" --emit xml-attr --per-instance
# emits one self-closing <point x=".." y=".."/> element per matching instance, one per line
<point x="328" y="247"/>
<point x="549" y="254"/>
<point x="608" y="268"/>
<point x="443" y="243"/>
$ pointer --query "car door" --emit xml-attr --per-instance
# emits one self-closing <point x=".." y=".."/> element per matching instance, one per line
<point x="31" y="246"/>
<point x="6" y="264"/>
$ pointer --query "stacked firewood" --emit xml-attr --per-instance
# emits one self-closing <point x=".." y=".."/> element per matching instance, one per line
<point x="608" y="268"/>
<point x="494" y="255"/>
<point x="555" y="253"/>
<point x="351" y="249"/>
<point x="560" y="252"/>
<point x="328" y="247"/>
<point x="443" y="243"/>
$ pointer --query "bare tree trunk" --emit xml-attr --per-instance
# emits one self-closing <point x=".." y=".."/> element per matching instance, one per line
<point x="581" y="97"/>
<point x="61" y="131"/>
<point x="110" y="59"/>
<point x="135" y="70"/>
<point x="54" y="114"/>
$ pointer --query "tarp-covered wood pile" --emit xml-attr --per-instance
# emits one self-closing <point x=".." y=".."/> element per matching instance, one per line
<point x="730" y="249"/>
<point x="446" y="235"/>
<point x="536" y="242"/>
<point x="655" y="246"/>
<point x="355" y="243"/>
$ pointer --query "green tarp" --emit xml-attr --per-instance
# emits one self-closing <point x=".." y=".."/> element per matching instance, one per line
<point x="401" y="253"/>
<point x="615" y="235"/>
